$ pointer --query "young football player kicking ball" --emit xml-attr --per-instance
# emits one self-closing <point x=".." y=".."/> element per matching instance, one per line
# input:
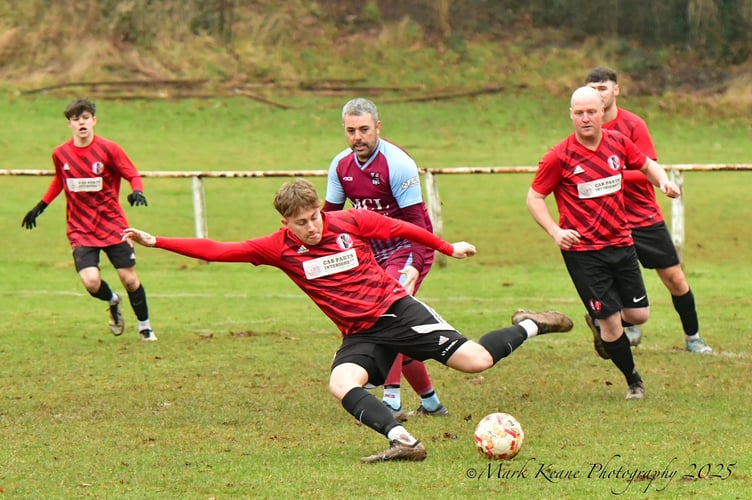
<point x="328" y="255"/>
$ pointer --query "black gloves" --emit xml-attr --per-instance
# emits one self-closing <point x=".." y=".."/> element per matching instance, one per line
<point x="30" y="220"/>
<point x="137" y="198"/>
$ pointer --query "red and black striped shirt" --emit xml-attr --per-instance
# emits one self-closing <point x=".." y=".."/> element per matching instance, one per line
<point x="640" y="202"/>
<point x="91" y="179"/>
<point x="587" y="186"/>
<point x="340" y="273"/>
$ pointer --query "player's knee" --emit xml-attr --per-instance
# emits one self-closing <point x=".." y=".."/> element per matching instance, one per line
<point x="636" y="316"/>
<point x="674" y="279"/>
<point x="130" y="281"/>
<point x="339" y="388"/>
<point x="678" y="286"/>
<point x="344" y="378"/>
<point x="91" y="284"/>
<point x="91" y="279"/>
<point x="336" y="388"/>
<point x="471" y="357"/>
<point x="480" y="364"/>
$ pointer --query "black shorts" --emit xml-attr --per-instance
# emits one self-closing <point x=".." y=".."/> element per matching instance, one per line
<point x="654" y="246"/>
<point x="409" y="327"/>
<point x="607" y="280"/>
<point x="121" y="256"/>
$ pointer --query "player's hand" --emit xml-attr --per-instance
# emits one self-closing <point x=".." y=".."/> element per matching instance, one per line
<point x="670" y="189"/>
<point x="411" y="279"/>
<point x="132" y="235"/>
<point x="462" y="249"/>
<point x="30" y="219"/>
<point x="137" y="198"/>
<point x="566" y="238"/>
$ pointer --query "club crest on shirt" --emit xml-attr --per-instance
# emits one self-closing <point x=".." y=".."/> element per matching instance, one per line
<point x="97" y="168"/>
<point x="375" y="178"/>
<point x="595" y="305"/>
<point x="613" y="162"/>
<point x="344" y="241"/>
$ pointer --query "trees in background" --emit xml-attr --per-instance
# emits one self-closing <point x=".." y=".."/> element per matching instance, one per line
<point x="159" y="37"/>
<point x="718" y="28"/>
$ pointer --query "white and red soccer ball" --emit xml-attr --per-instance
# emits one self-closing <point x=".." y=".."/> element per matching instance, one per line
<point x="499" y="436"/>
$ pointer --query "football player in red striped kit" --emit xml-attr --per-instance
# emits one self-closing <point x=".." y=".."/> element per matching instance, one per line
<point x="90" y="169"/>
<point x="585" y="174"/>
<point x="653" y="243"/>
<point x="329" y="256"/>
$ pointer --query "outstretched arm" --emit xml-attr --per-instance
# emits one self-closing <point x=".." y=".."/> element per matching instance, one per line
<point x="137" y="236"/>
<point x="387" y="227"/>
<point x="197" y="248"/>
<point x="463" y="249"/>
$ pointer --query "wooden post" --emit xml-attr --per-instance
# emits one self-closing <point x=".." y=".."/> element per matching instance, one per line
<point x="199" y="208"/>
<point x="677" y="214"/>
<point x="433" y="203"/>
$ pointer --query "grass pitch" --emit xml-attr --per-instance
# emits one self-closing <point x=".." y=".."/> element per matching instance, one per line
<point x="231" y="402"/>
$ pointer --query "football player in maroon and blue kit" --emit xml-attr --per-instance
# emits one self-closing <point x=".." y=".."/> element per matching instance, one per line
<point x="329" y="256"/>
<point x="89" y="169"/>
<point x="653" y="243"/>
<point x="376" y="175"/>
<point x="584" y="172"/>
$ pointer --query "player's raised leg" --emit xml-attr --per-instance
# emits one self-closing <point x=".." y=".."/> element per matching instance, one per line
<point x="474" y="357"/>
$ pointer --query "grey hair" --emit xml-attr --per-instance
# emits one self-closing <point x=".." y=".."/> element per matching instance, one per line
<point x="360" y="106"/>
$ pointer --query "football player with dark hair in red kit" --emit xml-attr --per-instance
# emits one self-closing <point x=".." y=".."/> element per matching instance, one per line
<point x="90" y="169"/>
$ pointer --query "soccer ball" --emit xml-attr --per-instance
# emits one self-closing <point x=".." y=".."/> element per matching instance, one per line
<point x="499" y="436"/>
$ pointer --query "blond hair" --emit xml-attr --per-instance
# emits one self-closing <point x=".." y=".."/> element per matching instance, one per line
<point x="295" y="196"/>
